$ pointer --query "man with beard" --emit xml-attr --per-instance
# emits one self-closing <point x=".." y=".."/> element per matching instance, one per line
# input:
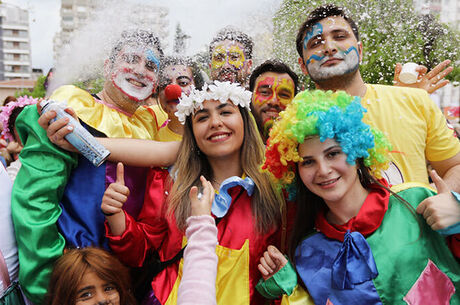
<point x="57" y="195"/>
<point x="330" y="53"/>
<point x="273" y="85"/>
<point x="231" y="56"/>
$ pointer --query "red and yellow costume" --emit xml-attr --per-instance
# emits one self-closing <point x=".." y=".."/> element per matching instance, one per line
<point x="239" y="250"/>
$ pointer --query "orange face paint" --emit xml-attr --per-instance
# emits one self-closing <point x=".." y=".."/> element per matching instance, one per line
<point x="274" y="89"/>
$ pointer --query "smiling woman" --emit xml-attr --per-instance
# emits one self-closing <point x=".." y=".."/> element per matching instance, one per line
<point x="220" y="143"/>
<point x="355" y="240"/>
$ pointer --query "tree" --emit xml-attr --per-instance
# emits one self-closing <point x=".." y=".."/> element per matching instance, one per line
<point x="180" y="39"/>
<point x="388" y="29"/>
<point x="38" y="90"/>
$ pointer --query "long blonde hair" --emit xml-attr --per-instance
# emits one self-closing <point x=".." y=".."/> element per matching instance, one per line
<point x="266" y="203"/>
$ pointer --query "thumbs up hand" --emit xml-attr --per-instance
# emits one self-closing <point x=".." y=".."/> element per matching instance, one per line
<point x="115" y="195"/>
<point x="442" y="210"/>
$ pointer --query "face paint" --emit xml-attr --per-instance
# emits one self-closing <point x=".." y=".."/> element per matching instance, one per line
<point x="348" y="64"/>
<point x="274" y="88"/>
<point x="134" y="73"/>
<point x="137" y="88"/>
<point x="150" y="55"/>
<point x="273" y="92"/>
<point x="234" y="55"/>
<point x="316" y="29"/>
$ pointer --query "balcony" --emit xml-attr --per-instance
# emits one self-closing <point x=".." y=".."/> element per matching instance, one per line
<point x="16" y="63"/>
<point x="15" y="38"/>
<point x="17" y="75"/>
<point x="16" y="50"/>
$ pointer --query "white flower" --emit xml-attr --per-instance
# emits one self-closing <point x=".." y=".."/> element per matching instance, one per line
<point x="219" y="91"/>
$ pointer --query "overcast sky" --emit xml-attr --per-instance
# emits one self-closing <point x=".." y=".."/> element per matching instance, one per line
<point x="198" y="18"/>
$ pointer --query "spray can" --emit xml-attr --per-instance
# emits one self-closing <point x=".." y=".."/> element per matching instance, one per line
<point x="80" y="138"/>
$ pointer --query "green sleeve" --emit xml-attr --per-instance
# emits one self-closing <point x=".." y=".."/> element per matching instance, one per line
<point x="35" y="208"/>
<point x="282" y="282"/>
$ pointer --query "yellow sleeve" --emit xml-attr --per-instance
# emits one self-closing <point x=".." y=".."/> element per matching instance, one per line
<point x="441" y="141"/>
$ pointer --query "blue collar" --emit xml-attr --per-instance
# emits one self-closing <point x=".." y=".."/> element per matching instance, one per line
<point x="223" y="200"/>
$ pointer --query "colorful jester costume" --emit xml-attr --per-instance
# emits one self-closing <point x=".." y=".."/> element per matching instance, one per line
<point x="386" y="254"/>
<point x="57" y="195"/>
<point x="240" y="244"/>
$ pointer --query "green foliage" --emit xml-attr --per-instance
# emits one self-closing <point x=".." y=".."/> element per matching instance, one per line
<point x="38" y="90"/>
<point x="93" y="86"/>
<point x="389" y="30"/>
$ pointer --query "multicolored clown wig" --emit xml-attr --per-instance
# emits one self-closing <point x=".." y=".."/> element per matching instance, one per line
<point x="330" y="115"/>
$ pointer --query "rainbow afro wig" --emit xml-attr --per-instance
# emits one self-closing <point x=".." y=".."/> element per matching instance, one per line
<point x="330" y="115"/>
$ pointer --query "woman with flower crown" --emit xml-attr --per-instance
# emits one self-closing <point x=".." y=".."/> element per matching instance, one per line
<point x="221" y="145"/>
<point x="355" y="241"/>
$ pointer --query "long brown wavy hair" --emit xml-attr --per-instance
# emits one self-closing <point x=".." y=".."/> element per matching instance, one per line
<point x="266" y="203"/>
<point x="74" y="264"/>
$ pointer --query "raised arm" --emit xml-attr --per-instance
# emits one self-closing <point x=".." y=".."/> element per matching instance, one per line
<point x="134" y="152"/>
<point x="430" y="81"/>
<point x="200" y="259"/>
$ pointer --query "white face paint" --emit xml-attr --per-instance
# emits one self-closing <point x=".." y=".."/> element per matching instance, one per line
<point x="138" y="88"/>
<point x="349" y="62"/>
<point x="134" y="73"/>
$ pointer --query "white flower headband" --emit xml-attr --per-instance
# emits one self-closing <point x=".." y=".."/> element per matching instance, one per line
<point x="219" y="91"/>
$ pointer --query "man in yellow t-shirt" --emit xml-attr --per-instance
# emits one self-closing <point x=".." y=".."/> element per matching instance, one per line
<point x="330" y="53"/>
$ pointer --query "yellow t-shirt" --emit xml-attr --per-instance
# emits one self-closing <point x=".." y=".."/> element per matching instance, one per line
<point x="164" y="133"/>
<point x="415" y="127"/>
<point x="110" y="121"/>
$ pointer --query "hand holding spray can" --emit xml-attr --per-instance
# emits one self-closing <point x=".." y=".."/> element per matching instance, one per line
<point x="80" y="138"/>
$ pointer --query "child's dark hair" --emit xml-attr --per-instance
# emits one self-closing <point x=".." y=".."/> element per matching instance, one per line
<point x="12" y="120"/>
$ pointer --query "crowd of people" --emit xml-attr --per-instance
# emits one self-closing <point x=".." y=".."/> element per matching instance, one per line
<point x="237" y="190"/>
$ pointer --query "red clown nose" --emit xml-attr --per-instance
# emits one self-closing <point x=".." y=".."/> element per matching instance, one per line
<point x="173" y="92"/>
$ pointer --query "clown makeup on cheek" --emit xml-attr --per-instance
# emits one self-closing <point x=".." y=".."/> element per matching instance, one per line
<point x="137" y="88"/>
<point x="349" y="63"/>
<point x="135" y="73"/>
<point x="274" y="88"/>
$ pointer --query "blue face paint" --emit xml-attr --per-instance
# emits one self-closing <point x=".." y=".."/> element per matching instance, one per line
<point x="151" y="57"/>
<point x="314" y="57"/>
<point x="316" y="29"/>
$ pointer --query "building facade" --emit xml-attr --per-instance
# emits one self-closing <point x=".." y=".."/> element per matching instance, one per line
<point x="74" y="14"/>
<point x="15" y="49"/>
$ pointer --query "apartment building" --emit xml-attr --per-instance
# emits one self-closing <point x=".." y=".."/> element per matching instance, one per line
<point x="15" y="50"/>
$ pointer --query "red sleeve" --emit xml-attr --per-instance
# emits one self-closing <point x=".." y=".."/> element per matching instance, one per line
<point x="453" y="242"/>
<point x="148" y="232"/>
